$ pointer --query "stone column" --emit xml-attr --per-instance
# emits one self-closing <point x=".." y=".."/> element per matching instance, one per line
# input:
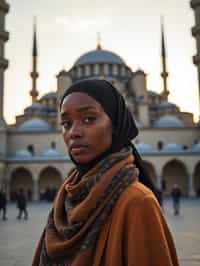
<point x="191" y="191"/>
<point x="159" y="181"/>
<point x="35" y="189"/>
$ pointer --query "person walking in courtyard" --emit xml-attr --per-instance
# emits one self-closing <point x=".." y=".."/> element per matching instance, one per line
<point x="3" y="204"/>
<point x="176" y="197"/>
<point x="105" y="213"/>
<point x="22" y="204"/>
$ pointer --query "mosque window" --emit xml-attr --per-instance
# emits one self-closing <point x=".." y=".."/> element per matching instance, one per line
<point x="96" y="69"/>
<point x="31" y="149"/>
<point x="79" y="72"/>
<point x="53" y="145"/>
<point x="106" y="69"/>
<point x="123" y="71"/>
<point x="115" y="70"/>
<point x="160" y="145"/>
<point x="87" y="70"/>
<point x="110" y="69"/>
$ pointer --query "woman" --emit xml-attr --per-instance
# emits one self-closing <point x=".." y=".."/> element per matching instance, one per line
<point x="103" y="215"/>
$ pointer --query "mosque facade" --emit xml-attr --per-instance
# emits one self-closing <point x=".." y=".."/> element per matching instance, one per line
<point x="32" y="151"/>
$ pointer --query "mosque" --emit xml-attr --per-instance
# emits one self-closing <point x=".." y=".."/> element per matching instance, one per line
<point x="33" y="154"/>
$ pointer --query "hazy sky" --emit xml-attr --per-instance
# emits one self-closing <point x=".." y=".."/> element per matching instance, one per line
<point x="130" y="28"/>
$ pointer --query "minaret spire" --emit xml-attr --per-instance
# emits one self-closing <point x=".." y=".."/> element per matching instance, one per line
<point x="4" y="36"/>
<point x="195" y="5"/>
<point x="164" y="73"/>
<point x="34" y="73"/>
<point x="98" y="41"/>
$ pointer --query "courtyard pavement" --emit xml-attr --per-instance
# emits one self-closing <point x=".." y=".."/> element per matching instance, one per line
<point x="18" y="238"/>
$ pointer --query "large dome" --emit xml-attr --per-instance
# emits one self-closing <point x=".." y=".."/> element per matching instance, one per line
<point x="168" y="121"/>
<point x="144" y="148"/>
<point x="172" y="147"/>
<point x="99" y="56"/>
<point x="35" y="124"/>
<point x="49" y="95"/>
<point x="23" y="154"/>
<point x="51" y="152"/>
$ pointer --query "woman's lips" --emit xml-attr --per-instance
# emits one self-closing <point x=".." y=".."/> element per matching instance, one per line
<point x="78" y="149"/>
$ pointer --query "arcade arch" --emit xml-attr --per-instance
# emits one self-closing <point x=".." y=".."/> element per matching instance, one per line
<point x="21" y="178"/>
<point x="49" y="179"/>
<point x="197" y="179"/>
<point x="174" y="172"/>
<point x="150" y="170"/>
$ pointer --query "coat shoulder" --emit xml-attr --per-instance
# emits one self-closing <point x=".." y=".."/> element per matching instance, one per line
<point x="137" y="193"/>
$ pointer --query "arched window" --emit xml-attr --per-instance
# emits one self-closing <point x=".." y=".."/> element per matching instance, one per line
<point x="96" y="69"/>
<point x="123" y="71"/>
<point x="31" y="149"/>
<point x="160" y="145"/>
<point x="53" y="145"/>
<point x="106" y="69"/>
<point x="79" y="72"/>
<point x="87" y="70"/>
<point x="115" y="70"/>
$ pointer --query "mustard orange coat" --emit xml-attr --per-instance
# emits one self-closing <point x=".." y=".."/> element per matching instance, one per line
<point x="136" y="233"/>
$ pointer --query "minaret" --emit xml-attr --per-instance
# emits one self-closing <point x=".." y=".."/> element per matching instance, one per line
<point x="98" y="41"/>
<point x="34" y="73"/>
<point x="4" y="36"/>
<point x="195" y="4"/>
<point x="164" y="73"/>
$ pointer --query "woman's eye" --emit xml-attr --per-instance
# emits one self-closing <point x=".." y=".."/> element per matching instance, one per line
<point x="89" y="119"/>
<point x="66" y="124"/>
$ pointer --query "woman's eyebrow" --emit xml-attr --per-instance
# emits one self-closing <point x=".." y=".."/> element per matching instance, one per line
<point x="80" y="109"/>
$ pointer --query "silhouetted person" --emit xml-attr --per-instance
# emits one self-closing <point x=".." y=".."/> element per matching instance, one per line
<point x="22" y="204"/>
<point x="176" y="195"/>
<point x="3" y="204"/>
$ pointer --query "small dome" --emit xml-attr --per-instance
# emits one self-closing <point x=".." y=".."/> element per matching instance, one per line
<point x="51" y="152"/>
<point x="152" y="93"/>
<point x="36" y="106"/>
<point x="139" y="72"/>
<point x="63" y="73"/>
<point x="49" y="95"/>
<point x="35" y="124"/>
<point x="168" y="121"/>
<point x="196" y="147"/>
<point x="23" y="153"/>
<point x="166" y="104"/>
<point x="144" y="148"/>
<point x="99" y="56"/>
<point x="172" y="147"/>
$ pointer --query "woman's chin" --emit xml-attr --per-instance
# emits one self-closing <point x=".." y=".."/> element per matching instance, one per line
<point x="82" y="159"/>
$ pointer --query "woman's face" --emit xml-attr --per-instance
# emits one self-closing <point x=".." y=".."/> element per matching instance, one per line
<point x="87" y="129"/>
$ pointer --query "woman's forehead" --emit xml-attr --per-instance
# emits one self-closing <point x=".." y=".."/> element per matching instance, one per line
<point x="80" y="100"/>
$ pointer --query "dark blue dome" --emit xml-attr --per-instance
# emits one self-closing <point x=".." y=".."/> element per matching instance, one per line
<point x="99" y="56"/>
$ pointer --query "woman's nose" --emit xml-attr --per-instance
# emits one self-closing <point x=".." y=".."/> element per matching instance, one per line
<point x="76" y="130"/>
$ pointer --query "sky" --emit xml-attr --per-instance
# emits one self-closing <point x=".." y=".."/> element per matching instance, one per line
<point x="130" y="28"/>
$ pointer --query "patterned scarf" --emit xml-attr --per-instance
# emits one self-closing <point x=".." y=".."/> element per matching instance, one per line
<point x="80" y="210"/>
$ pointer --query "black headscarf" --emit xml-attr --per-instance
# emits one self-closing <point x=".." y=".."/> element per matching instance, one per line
<point x="124" y="127"/>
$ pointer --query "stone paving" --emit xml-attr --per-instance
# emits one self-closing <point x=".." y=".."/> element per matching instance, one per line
<point x="18" y="238"/>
